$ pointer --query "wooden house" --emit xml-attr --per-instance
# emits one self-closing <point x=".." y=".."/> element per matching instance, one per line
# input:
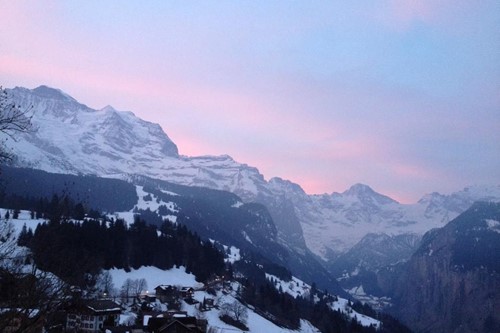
<point x="166" y="293"/>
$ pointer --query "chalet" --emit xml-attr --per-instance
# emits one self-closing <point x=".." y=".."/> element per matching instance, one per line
<point x="93" y="316"/>
<point x="166" y="293"/>
<point x="187" y="292"/>
<point x="209" y="302"/>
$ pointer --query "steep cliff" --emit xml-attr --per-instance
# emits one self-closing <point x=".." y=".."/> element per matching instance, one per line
<point x="452" y="282"/>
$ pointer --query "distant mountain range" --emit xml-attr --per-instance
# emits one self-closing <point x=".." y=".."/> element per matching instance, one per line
<point x="70" y="137"/>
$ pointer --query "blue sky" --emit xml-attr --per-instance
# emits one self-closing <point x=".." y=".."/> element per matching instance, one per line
<point x="402" y="95"/>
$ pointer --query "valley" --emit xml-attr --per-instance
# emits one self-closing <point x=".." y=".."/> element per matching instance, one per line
<point x="355" y="244"/>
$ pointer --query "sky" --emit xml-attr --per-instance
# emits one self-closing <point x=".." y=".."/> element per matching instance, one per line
<point x="401" y="95"/>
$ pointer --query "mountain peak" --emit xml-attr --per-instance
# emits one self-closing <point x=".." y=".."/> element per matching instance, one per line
<point x="366" y="194"/>
<point x="52" y="93"/>
<point x="358" y="189"/>
<point x="108" y="108"/>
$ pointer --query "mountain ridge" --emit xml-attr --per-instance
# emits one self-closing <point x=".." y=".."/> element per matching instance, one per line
<point x="73" y="138"/>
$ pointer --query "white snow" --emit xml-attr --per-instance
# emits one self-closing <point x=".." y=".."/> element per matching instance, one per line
<point x="343" y="305"/>
<point x="246" y="237"/>
<point x="24" y="219"/>
<point x="171" y="218"/>
<point x="153" y="204"/>
<point x="493" y="225"/>
<point x="72" y="138"/>
<point x="128" y="217"/>
<point x="255" y="322"/>
<point x="233" y="255"/>
<point x="237" y="204"/>
<point x="294" y="288"/>
<point x="155" y="277"/>
<point x="170" y="193"/>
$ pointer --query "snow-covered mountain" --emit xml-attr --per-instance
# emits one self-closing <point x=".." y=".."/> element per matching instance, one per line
<point x="333" y="223"/>
<point x="70" y="137"/>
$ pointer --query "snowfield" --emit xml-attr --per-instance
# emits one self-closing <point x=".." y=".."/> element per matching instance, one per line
<point x="155" y="277"/>
<point x="23" y="219"/>
<point x="152" y="205"/>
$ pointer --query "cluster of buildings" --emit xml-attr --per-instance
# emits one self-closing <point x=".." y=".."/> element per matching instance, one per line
<point x="103" y="315"/>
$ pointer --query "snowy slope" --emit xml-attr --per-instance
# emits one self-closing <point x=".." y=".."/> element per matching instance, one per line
<point x="69" y="137"/>
<point x="179" y="277"/>
<point x="297" y="287"/>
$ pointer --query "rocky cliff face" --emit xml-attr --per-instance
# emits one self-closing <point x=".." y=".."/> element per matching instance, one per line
<point x="452" y="282"/>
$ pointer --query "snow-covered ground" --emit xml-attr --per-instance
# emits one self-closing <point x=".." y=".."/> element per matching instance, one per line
<point x="294" y="288"/>
<point x="152" y="203"/>
<point x="24" y="218"/>
<point x="493" y="225"/>
<point x="155" y="277"/>
<point x="232" y="254"/>
<point x="255" y="323"/>
<point x="343" y="305"/>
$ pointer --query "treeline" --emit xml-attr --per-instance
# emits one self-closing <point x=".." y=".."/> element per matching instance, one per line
<point x="278" y="307"/>
<point x="286" y="311"/>
<point x="102" y="194"/>
<point x="55" y="208"/>
<point x="77" y="251"/>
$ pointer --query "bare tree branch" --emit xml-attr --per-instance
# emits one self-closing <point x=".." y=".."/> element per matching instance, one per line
<point x="13" y="120"/>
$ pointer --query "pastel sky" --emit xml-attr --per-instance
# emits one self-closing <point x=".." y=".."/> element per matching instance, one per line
<point x="402" y="95"/>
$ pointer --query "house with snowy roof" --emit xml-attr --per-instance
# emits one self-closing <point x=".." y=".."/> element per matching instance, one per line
<point x="187" y="292"/>
<point x="92" y="315"/>
<point x="166" y="293"/>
